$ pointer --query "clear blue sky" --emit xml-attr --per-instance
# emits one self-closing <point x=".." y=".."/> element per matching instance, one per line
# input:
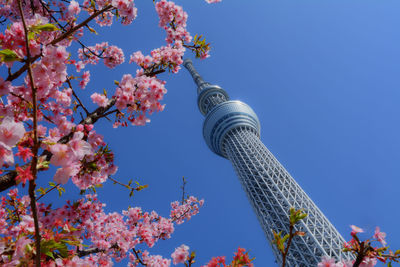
<point x="323" y="77"/>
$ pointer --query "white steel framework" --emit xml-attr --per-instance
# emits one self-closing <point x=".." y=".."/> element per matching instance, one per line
<point x="231" y="129"/>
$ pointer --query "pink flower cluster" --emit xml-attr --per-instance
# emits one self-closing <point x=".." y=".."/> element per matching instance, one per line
<point x="85" y="79"/>
<point x="140" y="96"/>
<point x="370" y="256"/>
<point x="50" y="72"/>
<point x="182" y="211"/>
<point x="165" y="55"/>
<point x="68" y="156"/>
<point x="126" y="9"/>
<point x="180" y="254"/>
<point x="173" y="20"/>
<point x="155" y="260"/>
<point x="99" y="99"/>
<point x="77" y="151"/>
<point x="112" y="55"/>
<point x="116" y="234"/>
<point x="329" y="262"/>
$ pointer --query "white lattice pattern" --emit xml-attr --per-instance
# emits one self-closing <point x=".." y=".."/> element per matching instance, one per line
<point x="272" y="191"/>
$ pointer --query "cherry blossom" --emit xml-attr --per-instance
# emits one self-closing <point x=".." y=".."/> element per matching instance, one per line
<point x="73" y="8"/>
<point x="327" y="262"/>
<point x="180" y="254"/>
<point x="24" y="175"/>
<point x="99" y="99"/>
<point x="11" y="132"/>
<point x="356" y="230"/>
<point x="380" y="236"/>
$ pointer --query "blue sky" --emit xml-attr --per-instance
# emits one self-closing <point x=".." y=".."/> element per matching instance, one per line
<point x="323" y="78"/>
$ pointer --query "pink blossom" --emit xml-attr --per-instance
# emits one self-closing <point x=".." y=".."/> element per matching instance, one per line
<point x="79" y="147"/>
<point x="213" y="1"/>
<point x="79" y="66"/>
<point x="63" y="174"/>
<point x="155" y="260"/>
<point x="368" y="262"/>
<point x="356" y="230"/>
<point x="20" y="246"/>
<point x="4" y="87"/>
<point x="380" y="236"/>
<point x="6" y="155"/>
<point x="24" y="175"/>
<point x="11" y="132"/>
<point x="180" y="254"/>
<point x="85" y="79"/>
<point x="137" y="57"/>
<point x="99" y="99"/>
<point x="327" y="262"/>
<point x="113" y="56"/>
<point x="127" y="10"/>
<point x="61" y="155"/>
<point x="24" y="152"/>
<point x="73" y="8"/>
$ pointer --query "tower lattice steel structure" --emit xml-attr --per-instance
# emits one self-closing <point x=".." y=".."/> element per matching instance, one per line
<point x="232" y="130"/>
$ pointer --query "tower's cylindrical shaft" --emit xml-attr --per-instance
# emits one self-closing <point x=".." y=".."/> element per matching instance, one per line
<point x="272" y="191"/>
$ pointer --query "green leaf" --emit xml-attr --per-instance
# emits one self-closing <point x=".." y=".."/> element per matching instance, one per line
<point x="389" y="264"/>
<point x="46" y="27"/>
<point x="43" y="165"/>
<point x="50" y="254"/>
<point x="31" y="36"/>
<point x="193" y="254"/>
<point x="8" y="55"/>
<point x="92" y="30"/>
<point x="285" y="237"/>
<point x="142" y="187"/>
<point x="302" y="216"/>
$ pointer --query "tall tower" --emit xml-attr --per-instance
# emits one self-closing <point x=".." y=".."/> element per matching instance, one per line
<point x="232" y="130"/>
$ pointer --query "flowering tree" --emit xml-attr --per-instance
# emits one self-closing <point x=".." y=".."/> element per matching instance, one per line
<point x="366" y="253"/>
<point x="39" y="129"/>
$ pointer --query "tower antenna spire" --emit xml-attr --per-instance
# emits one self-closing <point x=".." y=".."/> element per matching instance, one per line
<point x="195" y="75"/>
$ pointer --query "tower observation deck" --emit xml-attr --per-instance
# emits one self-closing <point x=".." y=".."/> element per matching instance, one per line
<point x="232" y="130"/>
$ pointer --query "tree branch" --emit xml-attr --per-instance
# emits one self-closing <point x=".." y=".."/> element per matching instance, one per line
<point x="33" y="167"/>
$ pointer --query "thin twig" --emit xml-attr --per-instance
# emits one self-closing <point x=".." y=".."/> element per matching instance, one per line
<point x="117" y="182"/>
<point x="284" y="255"/>
<point x="138" y="257"/>
<point x="183" y="189"/>
<point x="80" y="25"/>
<point x="77" y="98"/>
<point x="48" y="191"/>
